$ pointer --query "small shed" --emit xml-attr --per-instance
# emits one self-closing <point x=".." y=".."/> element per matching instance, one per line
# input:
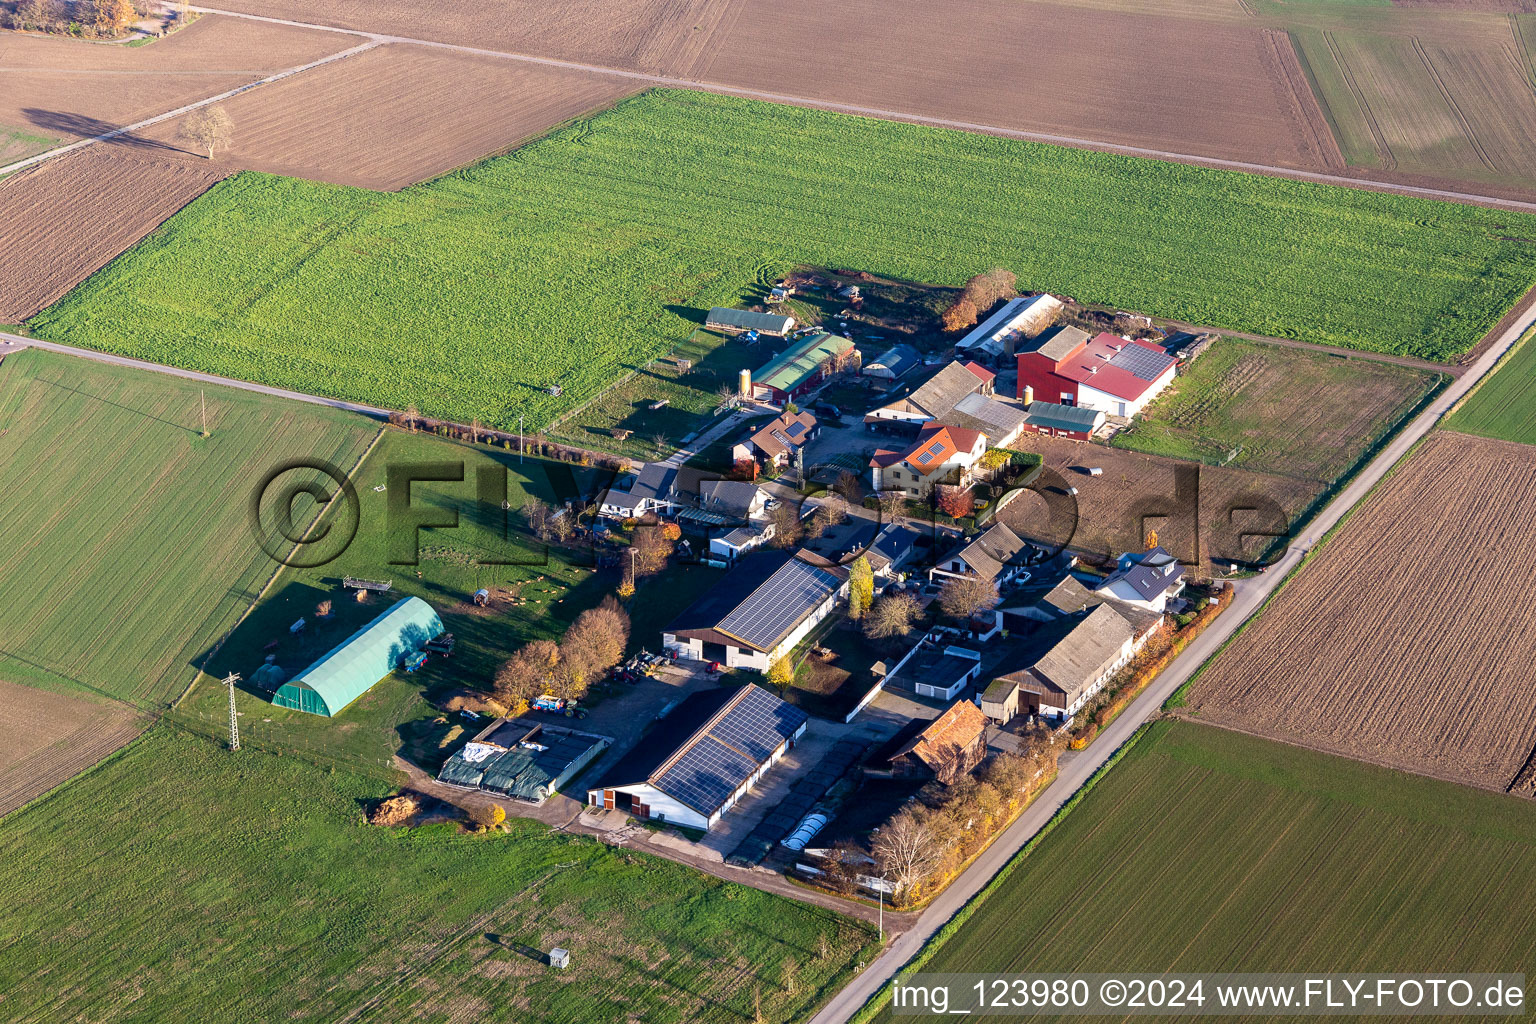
<point x="560" y="958"/>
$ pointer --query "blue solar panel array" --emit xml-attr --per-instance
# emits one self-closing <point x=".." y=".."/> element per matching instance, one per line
<point x="1141" y="361"/>
<point x="773" y="609"/>
<point x="718" y="762"/>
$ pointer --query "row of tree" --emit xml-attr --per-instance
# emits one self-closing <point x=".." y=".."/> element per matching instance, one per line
<point x="593" y="644"/>
<point x="980" y="294"/>
<point x="102" y="19"/>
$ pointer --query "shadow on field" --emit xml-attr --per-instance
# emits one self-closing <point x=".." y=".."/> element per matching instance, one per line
<point x="62" y="123"/>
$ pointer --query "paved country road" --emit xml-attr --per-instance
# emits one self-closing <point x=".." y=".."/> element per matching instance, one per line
<point x="1250" y="596"/>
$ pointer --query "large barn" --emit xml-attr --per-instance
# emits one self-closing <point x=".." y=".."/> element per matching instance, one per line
<point x="1109" y="373"/>
<point x="702" y="758"/>
<point x="351" y="668"/>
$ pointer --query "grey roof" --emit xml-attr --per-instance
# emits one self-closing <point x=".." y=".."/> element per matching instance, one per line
<point x="656" y="481"/>
<point x="780" y="604"/>
<point x="1063" y="417"/>
<point x="995" y="549"/>
<point x="892" y="546"/>
<point x="991" y="416"/>
<point x="1070" y="596"/>
<point x="1142" y="362"/>
<point x="944" y="390"/>
<point x="1084" y="654"/>
<point x="898" y="359"/>
<point x="746" y="321"/>
<point x="728" y="497"/>
<point x="1150" y="573"/>
<point x="1058" y="343"/>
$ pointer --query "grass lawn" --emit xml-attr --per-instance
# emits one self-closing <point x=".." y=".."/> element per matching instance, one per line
<point x="590" y="252"/>
<point x="1206" y="850"/>
<point x="1504" y="405"/>
<point x="691" y="398"/>
<point x="1280" y="410"/>
<point x="181" y="882"/>
<point x="127" y="548"/>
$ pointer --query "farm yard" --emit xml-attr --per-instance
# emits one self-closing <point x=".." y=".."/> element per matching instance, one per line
<point x="317" y="916"/>
<point x="1293" y="412"/>
<point x="1104" y="518"/>
<point x="622" y="235"/>
<point x="1207" y="850"/>
<point x="63" y="219"/>
<point x="1504" y="404"/>
<point x="131" y="537"/>
<point x="1395" y="644"/>
<point x="396" y="114"/>
<point x="46" y="738"/>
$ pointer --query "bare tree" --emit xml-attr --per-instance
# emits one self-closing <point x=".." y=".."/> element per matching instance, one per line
<point x="537" y="513"/>
<point x="650" y="547"/>
<point x="961" y="598"/>
<point x="834" y="509"/>
<point x="905" y="850"/>
<point x="850" y="487"/>
<point x="786" y="525"/>
<point x="893" y="504"/>
<point x="891" y="617"/>
<point x="207" y="127"/>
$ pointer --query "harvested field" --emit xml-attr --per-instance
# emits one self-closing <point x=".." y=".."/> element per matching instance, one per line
<point x="46" y="738"/>
<point x="1109" y="508"/>
<point x="956" y="63"/>
<point x="1398" y="644"/>
<point x="71" y="89"/>
<point x="1236" y="405"/>
<point x="62" y="220"/>
<point x="672" y="37"/>
<point x="396" y="114"/>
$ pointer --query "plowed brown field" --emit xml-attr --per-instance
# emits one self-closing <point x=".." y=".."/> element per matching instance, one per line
<point x="1407" y="642"/>
<point x="62" y="220"/>
<point x="70" y="89"/>
<point x="46" y="738"/>
<point x="1216" y="89"/>
<point x="1108" y="509"/>
<point x="396" y="114"/>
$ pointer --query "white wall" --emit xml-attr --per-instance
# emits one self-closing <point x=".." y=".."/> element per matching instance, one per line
<point x="1092" y="398"/>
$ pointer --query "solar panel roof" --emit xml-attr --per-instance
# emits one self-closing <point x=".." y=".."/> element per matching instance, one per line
<point x="715" y="764"/>
<point x="776" y="607"/>
<point x="1142" y="362"/>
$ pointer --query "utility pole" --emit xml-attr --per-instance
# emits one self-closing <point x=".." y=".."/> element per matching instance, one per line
<point x="522" y="445"/>
<point x="234" y="721"/>
<point x="881" y="890"/>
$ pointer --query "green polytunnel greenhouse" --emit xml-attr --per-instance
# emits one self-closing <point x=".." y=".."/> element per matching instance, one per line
<point x="350" y="668"/>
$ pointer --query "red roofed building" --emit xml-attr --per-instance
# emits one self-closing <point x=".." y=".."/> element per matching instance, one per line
<point x="941" y="455"/>
<point x="1107" y="373"/>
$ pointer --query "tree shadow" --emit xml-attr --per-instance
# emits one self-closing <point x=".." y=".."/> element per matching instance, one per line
<point x="84" y="126"/>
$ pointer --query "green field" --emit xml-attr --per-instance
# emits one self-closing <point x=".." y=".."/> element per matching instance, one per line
<point x="181" y="882"/>
<point x="595" y="250"/>
<point x="1505" y="404"/>
<point x="1205" y="850"/>
<point x="553" y="585"/>
<point x="127" y="546"/>
<point x="1273" y="409"/>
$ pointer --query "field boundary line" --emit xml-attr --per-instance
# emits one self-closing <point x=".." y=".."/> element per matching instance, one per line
<point x="128" y="129"/>
<point x="879" y="113"/>
<point x="1507" y="357"/>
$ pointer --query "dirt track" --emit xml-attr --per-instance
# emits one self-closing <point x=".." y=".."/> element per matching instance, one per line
<point x="1404" y="643"/>
<point x="64" y="219"/>
<point x="46" y="738"/>
<point x="397" y="114"/>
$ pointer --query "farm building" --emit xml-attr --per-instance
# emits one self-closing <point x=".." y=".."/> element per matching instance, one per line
<point x="1002" y="420"/>
<point x="894" y="363"/>
<point x="998" y="335"/>
<point x="520" y="759"/>
<point x="800" y="369"/>
<point x="947" y="748"/>
<point x="941" y="455"/>
<point x="732" y="544"/>
<point x="938" y="670"/>
<point x="735" y="321"/>
<point x="1071" y="673"/>
<point x="778" y="441"/>
<point x="934" y="399"/>
<point x="757" y="613"/>
<point x="1067" y="421"/>
<point x="702" y="757"/>
<point x="1109" y="373"/>
<point x="350" y="668"/>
